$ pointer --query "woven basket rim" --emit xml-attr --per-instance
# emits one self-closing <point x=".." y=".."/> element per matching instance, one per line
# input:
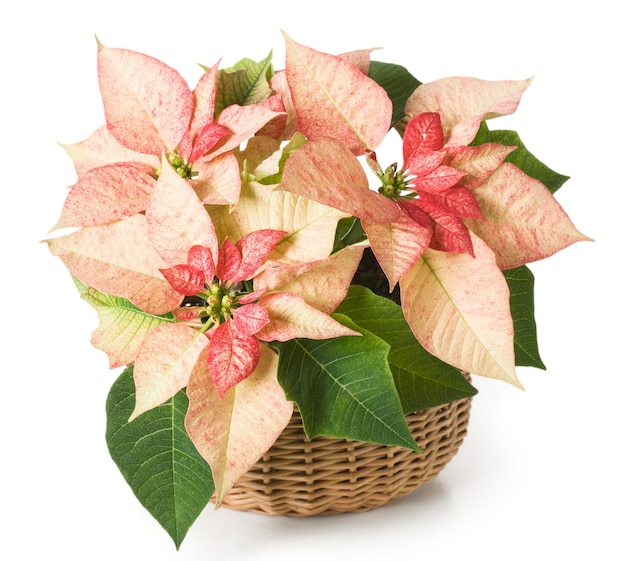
<point x="326" y="475"/>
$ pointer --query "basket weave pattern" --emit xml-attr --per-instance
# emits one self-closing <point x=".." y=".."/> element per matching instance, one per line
<point x="301" y="477"/>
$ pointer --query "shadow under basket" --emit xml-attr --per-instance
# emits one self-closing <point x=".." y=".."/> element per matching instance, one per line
<point x="301" y="477"/>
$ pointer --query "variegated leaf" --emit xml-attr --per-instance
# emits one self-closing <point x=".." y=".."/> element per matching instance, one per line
<point x="323" y="283"/>
<point x="464" y="102"/>
<point x="147" y="104"/>
<point x="101" y="149"/>
<point x="458" y="308"/>
<point x="118" y="259"/>
<point x="291" y="318"/>
<point x="166" y="358"/>
<point x="523" y="221"/>
<point x="333" y="98"/>
<point x="310" y="226"/>
<point x="122" y="327"/>
<point x="397" y="245"/>
<point x="233" y="432"/>
<point x="327" y="172"/>
<point x="177" y="219"/>
<point x="107" y="193"/>
<point x="218" y="181"/>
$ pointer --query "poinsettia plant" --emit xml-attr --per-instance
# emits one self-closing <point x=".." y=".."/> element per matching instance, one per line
<point x="246" y="250"/>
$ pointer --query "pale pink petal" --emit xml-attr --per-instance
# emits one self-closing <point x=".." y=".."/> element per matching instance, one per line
<point x="464" y="102"/>
<point x="218" y="181"/>
<point x="187" y="313"/>
<point x="523" y="221"/>
<point x="185" y="147"/>
<point x="249" y="319"/>
<point x="458" y="308"/>
<point x="101" y="149"/>
<point x="233" y="432"/>
<point x="397" y="245"/>
<point x="204" y="102"/>
<point x="243" y="122"/>
<point x="477" y="162"/>
<point x="118" y="259"/>
<point x="164" y="363"/>
<point x="311" y="226"/>
<point x="328" y="173"/>
<point x="333" y="98"/>
<point x="147" y="104"/>
<point x="177" y="218"/>
<point x="232" y="356"/>
<point x="359" y="58"/>
<point x="278" y="83"/>
<point x="323" y="283"/>
<point x="291" y="317"/>
<point x="276" y="127"/>
<point x="106" y="194"/>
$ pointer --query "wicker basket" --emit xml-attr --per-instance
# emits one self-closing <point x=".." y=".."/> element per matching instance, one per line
<point x="301" y="477"/>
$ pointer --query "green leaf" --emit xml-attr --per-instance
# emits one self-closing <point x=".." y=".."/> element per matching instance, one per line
<point x="397" y="81"/>
<point x="422" y="380"/>
<point x="349" y="231"/>
<point x="245" y="83"/>
<point x="521" y="284"/>
<point x="157" y="458"/>
<point x="82" y="287"/>
<point x="521" y="157"/>
<point x="344" y="389"/>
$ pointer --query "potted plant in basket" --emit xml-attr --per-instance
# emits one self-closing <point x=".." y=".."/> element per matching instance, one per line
<point x="247" y="252"/>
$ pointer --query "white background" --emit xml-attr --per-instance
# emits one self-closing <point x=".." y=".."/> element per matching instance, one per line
<point x="540" y="474"/>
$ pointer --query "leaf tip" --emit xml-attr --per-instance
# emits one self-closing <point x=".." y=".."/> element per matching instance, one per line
<point x="136" y="412"/>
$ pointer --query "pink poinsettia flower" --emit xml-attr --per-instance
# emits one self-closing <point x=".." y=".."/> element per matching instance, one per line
<point x="150" y="110"/>
<point x="400" y="224"/>
<point x="230" y="314"/>
<point x="433" y="188"/>
<point x="233" y="300"/>
<point x="445" y="225"/>
<point x="220" y="296"/>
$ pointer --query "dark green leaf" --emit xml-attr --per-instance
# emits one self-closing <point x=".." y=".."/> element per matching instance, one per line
<point x="245" y="83"/>
<point x="397" y="81"/>
<point x="521" y="285"/>
<point x="521" y="157"/>
<point x="157" y="459"/>
<point x="344" y="389"/>
<point x="349" y="231"/>
<point x="422" y="380"/>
